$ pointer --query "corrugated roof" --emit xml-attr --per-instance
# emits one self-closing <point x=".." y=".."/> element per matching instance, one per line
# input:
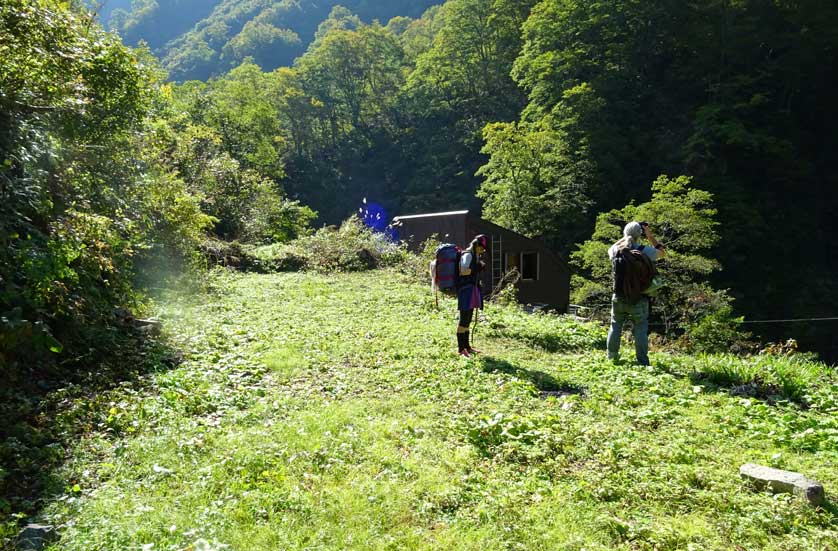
<point x="449" y="213"/>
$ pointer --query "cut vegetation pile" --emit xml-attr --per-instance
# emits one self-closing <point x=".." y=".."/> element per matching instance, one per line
<point x="331" y="412"/>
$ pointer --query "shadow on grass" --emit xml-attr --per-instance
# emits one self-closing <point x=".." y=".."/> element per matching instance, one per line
<point x="555" y="343"/>
<point x="48" y="403"/>
<point x="546" y="384"/>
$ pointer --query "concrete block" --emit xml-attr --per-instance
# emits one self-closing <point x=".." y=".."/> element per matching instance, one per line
<point x="779" y="481"/>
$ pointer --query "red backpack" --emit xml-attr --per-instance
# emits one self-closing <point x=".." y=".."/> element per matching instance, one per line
<point x="445" y="268"/>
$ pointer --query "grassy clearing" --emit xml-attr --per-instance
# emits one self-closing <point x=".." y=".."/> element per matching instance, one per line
<point x="330" y="412"/>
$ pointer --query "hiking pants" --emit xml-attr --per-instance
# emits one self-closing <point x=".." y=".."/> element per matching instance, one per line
<point x="638" y="314"/>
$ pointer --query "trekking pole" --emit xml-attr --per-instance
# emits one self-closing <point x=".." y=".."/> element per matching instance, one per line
<point x="476" y="316"/>
<point x="474" y="327"/>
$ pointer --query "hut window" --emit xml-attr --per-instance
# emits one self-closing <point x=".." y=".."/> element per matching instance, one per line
<point x="529" y="265"/>
<point x="525" y="263"/>
<point x="513" y="261"/>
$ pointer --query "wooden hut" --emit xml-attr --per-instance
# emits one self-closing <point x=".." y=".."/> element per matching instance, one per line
<point x="545" y="276"/>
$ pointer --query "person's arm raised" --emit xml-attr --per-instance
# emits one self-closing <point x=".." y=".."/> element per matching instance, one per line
<point x="647" y="231"/>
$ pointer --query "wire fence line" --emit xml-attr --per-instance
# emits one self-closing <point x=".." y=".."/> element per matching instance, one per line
<point x="790" y="320"/>
<point x="574" y="309"/>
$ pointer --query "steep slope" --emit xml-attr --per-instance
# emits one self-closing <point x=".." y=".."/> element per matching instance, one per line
<point x="200" y="38"/>
<point x="105" y="8"/>
<point x="157" y="22"/>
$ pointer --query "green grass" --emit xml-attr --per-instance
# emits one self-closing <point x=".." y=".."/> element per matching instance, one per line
<point x="331" y="412"/>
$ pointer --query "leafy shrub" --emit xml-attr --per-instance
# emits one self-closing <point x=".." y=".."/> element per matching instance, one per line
<point x="506" y="292"/>
<point x="350" y="248"/>
<point x="247" y="205"/>
<point x="717" y="331"/>
<point x="791" y="378"/>
<point x="416" y="266"/>
<point x="789" y="348"/>
<point x="232" y="254"/>
<point x="276" y="219"/>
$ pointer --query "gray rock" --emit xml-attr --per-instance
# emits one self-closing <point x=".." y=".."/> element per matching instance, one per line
<point x="779" y="481"/>
<point x="34" y="537"/>
<point x="148" y="327"/>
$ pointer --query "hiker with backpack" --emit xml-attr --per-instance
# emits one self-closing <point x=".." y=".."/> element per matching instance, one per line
<point x="456" y="271"/>
<point x="633" y="270"/>
<point x="469" y="293"/>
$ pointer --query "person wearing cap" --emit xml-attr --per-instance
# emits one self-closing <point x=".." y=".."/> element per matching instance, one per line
<point x="469" y="293"/>
<point x="621" y="309"/>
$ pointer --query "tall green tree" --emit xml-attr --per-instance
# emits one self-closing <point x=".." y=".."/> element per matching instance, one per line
<point x="459" y="84"/>
<point x="532" y="182"/>
<point x="339" y="102"/>
<point x="229" y="143"/>
<point x="467" y="69"/>
<point x="684" y="219"/>
<point x="355" y="75"/>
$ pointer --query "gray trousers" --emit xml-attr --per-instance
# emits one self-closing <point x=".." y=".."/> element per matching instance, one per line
<point x="638" y="314"/>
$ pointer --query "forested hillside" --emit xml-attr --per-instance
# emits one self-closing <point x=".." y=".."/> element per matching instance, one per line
<point x="104" y="8"/>
<point x="200" y="38"/>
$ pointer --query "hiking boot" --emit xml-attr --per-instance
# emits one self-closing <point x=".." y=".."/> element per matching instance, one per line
<point x="464" y="353"/>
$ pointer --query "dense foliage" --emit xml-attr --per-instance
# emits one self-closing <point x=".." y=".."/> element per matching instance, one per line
<point x="80" y="200"/>
<point x="737" y="95"/>
<point x="352" y="247"/>
<point x="100" y="172"/>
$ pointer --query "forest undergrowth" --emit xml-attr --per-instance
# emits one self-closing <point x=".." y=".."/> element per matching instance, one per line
<point x="318" y="411"/>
